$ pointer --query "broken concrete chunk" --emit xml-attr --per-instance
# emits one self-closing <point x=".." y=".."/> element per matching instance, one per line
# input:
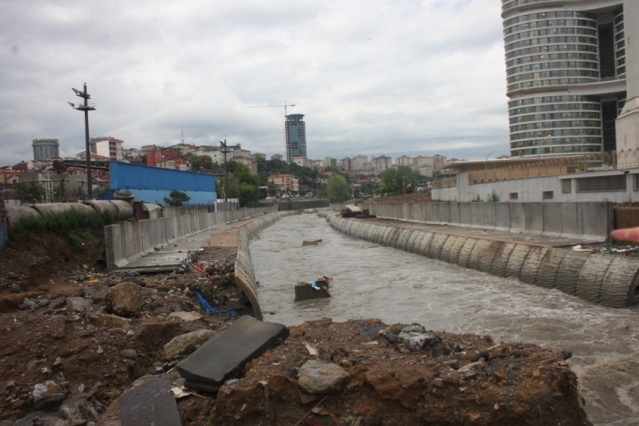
<point x="48" y="395"/>
<point x="321" y="377"/>
<point x="125" y="299"/>
<point x="78" y="304"/>
<point x="185" y="316"/>
<point x="186" y="342"/>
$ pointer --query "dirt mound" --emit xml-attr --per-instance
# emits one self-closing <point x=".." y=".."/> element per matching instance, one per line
<point x="399" y="375"/>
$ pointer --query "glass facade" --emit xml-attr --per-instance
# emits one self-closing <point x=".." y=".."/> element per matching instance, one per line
<point x="295" y="137"/>
<point x="45" y="149"/>
<point x="548" y="52"/>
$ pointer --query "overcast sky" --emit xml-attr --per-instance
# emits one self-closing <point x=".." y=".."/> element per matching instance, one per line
<point x="373" y="77"/>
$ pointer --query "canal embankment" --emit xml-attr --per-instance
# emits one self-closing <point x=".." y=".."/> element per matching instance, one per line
<point x="536" y="259"/>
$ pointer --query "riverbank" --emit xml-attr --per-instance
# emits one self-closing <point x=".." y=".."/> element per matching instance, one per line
<point x="62" y="325"/>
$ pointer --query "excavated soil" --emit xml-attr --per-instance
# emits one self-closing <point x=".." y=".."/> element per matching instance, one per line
<point x="61" y="330"/>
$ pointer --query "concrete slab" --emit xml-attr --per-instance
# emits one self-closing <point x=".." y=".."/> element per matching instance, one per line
<point x="225" y="355"/>
<point x="151" y="403"/>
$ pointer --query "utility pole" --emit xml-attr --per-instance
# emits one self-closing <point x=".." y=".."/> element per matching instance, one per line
<point x="225" y="150"/>
<point x="86" y="108"/>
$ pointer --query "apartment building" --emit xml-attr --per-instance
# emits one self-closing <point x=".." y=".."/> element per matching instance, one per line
<point x="572" y="76"/>
<point x="108" y="147"/>
<point x="45" y="149"/>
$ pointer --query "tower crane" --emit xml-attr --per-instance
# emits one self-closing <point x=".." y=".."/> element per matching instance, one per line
<point x="285" y="106"/>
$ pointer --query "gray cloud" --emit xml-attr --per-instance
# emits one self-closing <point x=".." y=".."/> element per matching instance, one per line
<point x="372" y="77"/>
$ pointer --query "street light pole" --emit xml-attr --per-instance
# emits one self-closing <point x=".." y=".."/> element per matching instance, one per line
<point x="225" y="151"/>
<point x="86" y="108"/>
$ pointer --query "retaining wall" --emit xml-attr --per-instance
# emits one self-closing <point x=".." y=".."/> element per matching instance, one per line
<point x="127" y="241"/>
<point x="244" y="273"/>
<point x="585" y="220"/>
<point x="605" y="279"/>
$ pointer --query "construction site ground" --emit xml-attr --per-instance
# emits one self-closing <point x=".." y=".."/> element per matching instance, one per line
<point x="67" y="356"/>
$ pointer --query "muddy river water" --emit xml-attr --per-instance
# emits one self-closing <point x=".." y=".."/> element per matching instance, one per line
<point x="372" y="281"/>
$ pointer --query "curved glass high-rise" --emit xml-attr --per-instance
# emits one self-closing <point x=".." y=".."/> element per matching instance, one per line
<point x="566" y="74"/>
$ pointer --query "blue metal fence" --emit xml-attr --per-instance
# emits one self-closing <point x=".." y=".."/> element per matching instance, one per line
<point x="153" y="184"/>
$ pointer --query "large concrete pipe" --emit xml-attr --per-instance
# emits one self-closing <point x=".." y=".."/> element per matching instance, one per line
<point x="437" y="244"/>
<point x="488" y="255"/>
<point x="549" y="267"/>
<point x="500" y="260"/>
<point x="569" y="270"/>
<point x="103" y="206"/>
<point x="16" y="213"/>
<point x="532" y="264"/>
<point x="466" y="251"/>
<point x="447" y="249"/>
<point x="52" y="208"/>
<point x="410" y="245"/>
<point x="592" y="276"/>
<point x="475" y="255"/>
<point x="516" y="260"/>
<point x="615" y="291"/>
<point x="422" y="244"/>
<point x="455" y="251"/>
<point x="604" y="279"/>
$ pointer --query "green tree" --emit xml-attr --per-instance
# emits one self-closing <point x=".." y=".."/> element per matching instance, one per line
<point x="248" y="194"/>
<point x="396" y="180"/>
<point x="200" y="162"/>
<point x="30" y="193"/>
<point x="177" y="198"/>
<point x="265" y="168"/>
<point x="337" y="188"/>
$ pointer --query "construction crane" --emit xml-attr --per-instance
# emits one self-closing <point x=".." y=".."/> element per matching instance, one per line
<point x="285" y="106"/>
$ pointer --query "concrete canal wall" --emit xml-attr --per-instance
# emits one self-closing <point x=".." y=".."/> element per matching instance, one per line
<point x="127" y="241"/>
<point x="605" y="279"/>
<point x="588" y="220"/>
<point x="244" y="273"/>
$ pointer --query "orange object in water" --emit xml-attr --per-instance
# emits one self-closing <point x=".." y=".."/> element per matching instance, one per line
<point x="630" y="235"/>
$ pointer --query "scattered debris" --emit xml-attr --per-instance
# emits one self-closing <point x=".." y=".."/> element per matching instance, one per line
<point x="317" y="289"/>
<point x="617" y="248"/>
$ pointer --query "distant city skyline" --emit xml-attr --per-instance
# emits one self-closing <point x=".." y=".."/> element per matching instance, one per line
<point x="376" y="85"/>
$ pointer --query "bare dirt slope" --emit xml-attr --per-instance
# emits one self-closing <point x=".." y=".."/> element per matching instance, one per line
<point x="69" y="351"/>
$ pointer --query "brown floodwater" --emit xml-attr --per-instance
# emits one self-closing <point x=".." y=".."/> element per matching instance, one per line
<point x="372" y="281"/>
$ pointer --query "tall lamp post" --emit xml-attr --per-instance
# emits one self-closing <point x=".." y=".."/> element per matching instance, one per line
<point x="86" y="108"/>
<point x="225" y="151"/>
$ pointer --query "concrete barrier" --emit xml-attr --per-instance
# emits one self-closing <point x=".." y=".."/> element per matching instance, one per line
<point x="604" y="279"/>
<point x="128" y="240"/>
<point x="591" y="221"/>
<point x="244" y="274"/>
